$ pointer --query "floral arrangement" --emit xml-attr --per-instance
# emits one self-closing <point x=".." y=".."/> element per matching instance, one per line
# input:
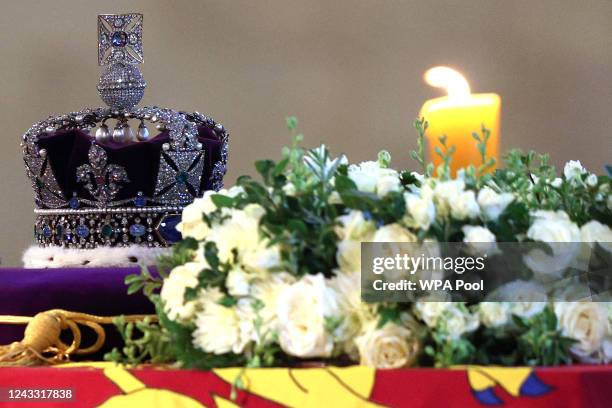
<point x="268" y="272"/>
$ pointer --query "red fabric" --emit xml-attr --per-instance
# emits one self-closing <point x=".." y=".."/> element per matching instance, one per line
<point x="581" y="386"/>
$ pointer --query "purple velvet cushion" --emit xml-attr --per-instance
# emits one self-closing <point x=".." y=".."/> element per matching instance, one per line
<point x="98" y="291"/>
<point x="68" y="149"/>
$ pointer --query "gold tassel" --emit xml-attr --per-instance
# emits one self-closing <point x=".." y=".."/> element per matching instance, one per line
<point x="41" y="342"/>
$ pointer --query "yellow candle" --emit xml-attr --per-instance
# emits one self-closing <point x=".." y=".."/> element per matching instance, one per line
<point x="457" y="116"/>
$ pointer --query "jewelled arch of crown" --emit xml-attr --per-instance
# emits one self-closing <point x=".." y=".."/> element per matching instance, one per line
<point x="99" y="219"/>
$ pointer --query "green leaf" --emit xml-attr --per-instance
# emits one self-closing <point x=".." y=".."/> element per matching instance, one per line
<point x="344" y="183"/>
<point x="292" y="123"/>
<point x="221" y="200"/>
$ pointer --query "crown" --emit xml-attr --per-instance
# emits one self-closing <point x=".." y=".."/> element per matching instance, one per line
<point x="100" y="176"/>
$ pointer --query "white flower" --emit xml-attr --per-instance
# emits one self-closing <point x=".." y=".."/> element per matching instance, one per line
<point x="493" y="314"/>
<point x="355" y="313"/>
<point x="267" y="291"/>
<point x="388" y="183"/>
<point x="481" y="240"/>
<point x="458" y="321"/>
<point x="221" y="329"/>
<point x="493" y="204"/>
<point x="557" y="182"/>
<point x="591" y="180"/>
<point x="391" y="346"/>
<point x="370" y="177"/>
<point x="289" y="189"/>
<point x="465" y="206"/>
<point x="573" y="170"/>
<point x="302" y="310"/>
<point x="259" y="260"/>
<point x="348" y="255"/>
<point x="192" y="224"/>
<point x="354" y="226"/>
<point x="430" y="311"/>
<point x="237" y="282"/>
<point x="445" y="193"/>
<point x="609" y="202"/>
<point x="594" y="231"/>
<point x="420" y="208"/>
<point x="562" y="235"/>
<point x="173" y="291"/>
<point x="393" y="233"/>
<point x="239" y="232"/>
<point x="524" y="298"/>
<point x="586" y="322"/>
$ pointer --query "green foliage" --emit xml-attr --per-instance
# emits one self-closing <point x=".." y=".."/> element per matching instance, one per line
<point x="444" y="171"/>
<point x="421" y="126"/>
<point x="144" y="341"/>
<point x="541" y="342"/>
<point x="486" y="163"/>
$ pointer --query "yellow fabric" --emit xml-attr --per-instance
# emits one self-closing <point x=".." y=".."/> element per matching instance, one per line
<point x="508" y="378"/>
<point x="338" y="387"/>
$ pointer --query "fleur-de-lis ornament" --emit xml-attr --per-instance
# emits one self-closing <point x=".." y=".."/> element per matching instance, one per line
<point x="101" y="179"/>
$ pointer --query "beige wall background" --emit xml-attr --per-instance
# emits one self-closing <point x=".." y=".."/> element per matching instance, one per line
<point x="350" y="70"/>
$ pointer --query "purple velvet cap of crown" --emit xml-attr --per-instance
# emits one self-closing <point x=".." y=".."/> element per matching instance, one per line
<point x="68" y="149"/>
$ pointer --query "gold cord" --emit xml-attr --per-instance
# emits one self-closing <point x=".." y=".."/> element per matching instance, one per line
<point x="41" y="342"/>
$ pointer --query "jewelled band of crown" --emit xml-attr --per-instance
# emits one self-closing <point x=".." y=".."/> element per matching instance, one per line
<point x="153" y="227"/>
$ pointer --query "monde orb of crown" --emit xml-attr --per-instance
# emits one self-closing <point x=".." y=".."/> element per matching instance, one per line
<point x="121" y="86"/>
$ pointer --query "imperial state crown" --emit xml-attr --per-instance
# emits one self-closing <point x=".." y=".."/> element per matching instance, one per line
<point x="108" y="191"/>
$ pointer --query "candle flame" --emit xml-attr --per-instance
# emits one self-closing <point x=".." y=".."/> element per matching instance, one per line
<point x="456" y="85"/>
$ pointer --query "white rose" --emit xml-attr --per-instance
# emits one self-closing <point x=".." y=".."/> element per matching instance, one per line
<point x="458" y="321"/>
<point x="348" y="255"/>
<point x="261" y="259"/>
<point x="393" y="233"/>
<point x="221" y="329"/>
<point x="594" y="231"/>
<point x="302" y="309"/>
<point x="239" y="232"/>
<point x="493" y="204"/>
<point x="173" y="291"/>
<point x="493" y="314"/>
<point x="481" y="240"/>
<point x="524" y="298"/>
<point x="430" y="311"/>
<point x="267" y="291"/>
<point x="368" y="175"/>
<point x="563" y="237"/>
<point x="391" y="346"/>
<point x="587" y="322"/>
<point x="237" y="282"/>
<point x="192" y="224"/>
<point x="355" y="313"/>
<point x="354" y="226"/>
<point x="591" y="180"/>
<point x="573" y="170"/>
<point x="420" y="209"/>
<point x="464" y="206"/>
<point x="445" y="192"/>
<point x="388" y="183"/>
